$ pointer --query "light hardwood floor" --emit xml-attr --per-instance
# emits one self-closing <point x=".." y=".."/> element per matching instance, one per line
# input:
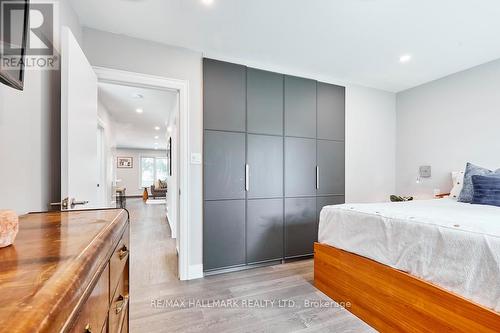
<point x="154" y="283"/>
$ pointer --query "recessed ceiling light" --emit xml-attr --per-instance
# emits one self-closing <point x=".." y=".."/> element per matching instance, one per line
<point x="137" y="96"/>
<point x="169" y="129"/>
<point x="139" y="110"/>
<point x="157" y="137"/>
<point x="157" y="128"/>
<point x="404" y="58"/>
<point x="207" y="2"/>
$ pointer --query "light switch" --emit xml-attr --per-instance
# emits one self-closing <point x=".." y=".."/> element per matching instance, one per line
<point x="425" y="171"/>
<point x="195" y="158"/>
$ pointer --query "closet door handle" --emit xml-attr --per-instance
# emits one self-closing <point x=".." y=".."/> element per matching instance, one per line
<point x="317" y="177"/>
<point x="247" y="177"/>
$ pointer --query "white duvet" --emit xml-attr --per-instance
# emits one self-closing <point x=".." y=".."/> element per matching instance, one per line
<point x="453" y="245"/>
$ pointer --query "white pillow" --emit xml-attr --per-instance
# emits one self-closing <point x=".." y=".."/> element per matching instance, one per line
<point x="458" y="183"/>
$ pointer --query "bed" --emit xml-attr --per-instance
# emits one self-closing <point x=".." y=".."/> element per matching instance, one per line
<point x="422" y="265"/>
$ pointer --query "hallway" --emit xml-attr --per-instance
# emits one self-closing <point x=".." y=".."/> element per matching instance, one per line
<point x="154" y="283"/>
<point x="155" y="259"/>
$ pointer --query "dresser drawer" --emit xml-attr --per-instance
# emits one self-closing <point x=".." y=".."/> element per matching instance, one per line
<point x="94" y="312"/>
<point x="118" y="261"/>
<point x="118" y="310"/>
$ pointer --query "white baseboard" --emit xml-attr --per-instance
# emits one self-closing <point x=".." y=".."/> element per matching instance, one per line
<point x="195" y="272"/>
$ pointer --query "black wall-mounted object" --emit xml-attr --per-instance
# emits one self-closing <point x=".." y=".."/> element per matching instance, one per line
<point x="274" y="155"/>
<point x="169" y="154"/>
<point x="14" y="42"/>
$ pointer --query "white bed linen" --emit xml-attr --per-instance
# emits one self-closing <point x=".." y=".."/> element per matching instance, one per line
<point x="451" y="244"/>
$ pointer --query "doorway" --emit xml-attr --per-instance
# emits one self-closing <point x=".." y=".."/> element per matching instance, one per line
<point x="141" y="136"/>
<point x="173" y="135"/>
<point x="139" y="125"/>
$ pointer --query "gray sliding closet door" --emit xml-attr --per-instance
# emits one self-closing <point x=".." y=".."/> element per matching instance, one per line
<point x="300" y="107"/>
<point x="224" y="234"/>
<point x="300" y="167"/>
<point x="300" y="226"/>
<point x="265" y="163"/>
<point x="273" y="158"/>
<point x="328" y="201"/>
<point x="331" y="164"/>
<point x="264" y="102"/>
<point x="331" y="112"/>
<point x="224" y="165"/>
<point x="224" y="96"/>
<point x="264" y="230"/>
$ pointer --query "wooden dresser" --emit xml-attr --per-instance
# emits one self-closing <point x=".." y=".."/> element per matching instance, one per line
<point x="67" y="272"/>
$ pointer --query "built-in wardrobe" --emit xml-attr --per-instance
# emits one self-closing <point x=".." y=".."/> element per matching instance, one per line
<point x="274" y="155"/>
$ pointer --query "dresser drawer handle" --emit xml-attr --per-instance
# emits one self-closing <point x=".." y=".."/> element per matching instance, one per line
<point x="88" y="329"/>
<point x="121" y="303"/>
<point x="123" y="252"/>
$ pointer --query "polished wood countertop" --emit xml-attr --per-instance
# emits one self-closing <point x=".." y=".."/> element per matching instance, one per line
<point x="53" y="265"/>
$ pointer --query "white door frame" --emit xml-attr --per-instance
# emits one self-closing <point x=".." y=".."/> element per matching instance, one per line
<point x="182" y="86"/>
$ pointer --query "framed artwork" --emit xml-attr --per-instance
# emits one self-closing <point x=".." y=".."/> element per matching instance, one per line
<point x="124" y="162"/>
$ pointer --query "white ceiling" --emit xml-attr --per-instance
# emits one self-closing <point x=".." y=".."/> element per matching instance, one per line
<point x="348" y="41"/>
<point x="134" y="130"/>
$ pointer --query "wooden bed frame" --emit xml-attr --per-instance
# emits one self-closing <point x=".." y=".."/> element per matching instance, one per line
<point x="390" y="300"/>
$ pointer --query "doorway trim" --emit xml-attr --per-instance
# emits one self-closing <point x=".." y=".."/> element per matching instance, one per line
<point x="182" y="86"/>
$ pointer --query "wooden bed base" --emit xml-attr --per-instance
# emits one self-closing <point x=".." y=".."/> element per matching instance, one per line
<point x="390" y="300"/>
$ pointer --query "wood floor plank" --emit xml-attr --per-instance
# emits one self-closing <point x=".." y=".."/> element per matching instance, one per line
<point x="154" y="279"/>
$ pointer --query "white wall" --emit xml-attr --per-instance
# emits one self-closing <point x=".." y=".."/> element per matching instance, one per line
<point x="135" y="55"/>
<point x="106" y="121"/>
<point x="445" y="124"/>
<point x="30" y="136"/>
<point x="131" y="177"/>
<point x="370" y="144"/>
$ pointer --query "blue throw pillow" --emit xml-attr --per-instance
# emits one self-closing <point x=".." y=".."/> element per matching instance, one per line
<point x="486" y="190"/>
<point x="468" y="189"/>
